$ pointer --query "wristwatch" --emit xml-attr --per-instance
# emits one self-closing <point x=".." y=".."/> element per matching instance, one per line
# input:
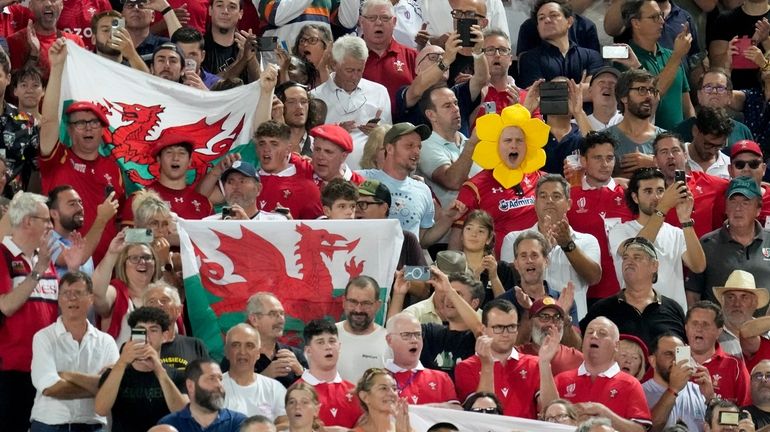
<point x="34" y="275"/>
<point x="569" y="247"/>
<point x="688" y="224"/>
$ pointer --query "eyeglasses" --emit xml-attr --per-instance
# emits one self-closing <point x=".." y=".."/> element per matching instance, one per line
<point x="312" y="40"/>
<point x="555" y="318"/>
<point x="136" y="259"/>
<point x="656" y="18"/>
<point x="275" y="314"/>
<point x="407" y="336"/>
<point x="500" y="329"/>
<point x="159" y="302"/>
<point x="759" y="376"/>
<point x="460" y="14"/>
<point x="557" y="418"/>
<point x="711" y="89"/>
<point x="74" y="294"/>
<point x="82" y="124"/>
<point x="133" y="5"/>
<point x="351" y="102"/>
<point x="491" y="51"/>
<point x="363" y="205"/>
<point x="491" y="410"/>
<point x="364" y="304"/>
<point x="432" y="57"/>
<point x="644" y="91"/>
<point x="753" y="164"/>
<point x="374" y="18"/>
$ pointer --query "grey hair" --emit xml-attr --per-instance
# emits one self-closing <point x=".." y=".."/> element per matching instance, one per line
<point x="349" y="46"/>
<point x="168" y="289"/>
<point x="372" y="3"/>
<point x="532" y="235"/>
<point x="22" y="205"/>
<point x="489" y="32"/>
<point x="553" y="178"/>
<point x="147" y="204"/>
<point x="245" y="327"/>
<point x="254" y="304"/>
<point x="397" y="318"/>
<point x="593" y="421"/>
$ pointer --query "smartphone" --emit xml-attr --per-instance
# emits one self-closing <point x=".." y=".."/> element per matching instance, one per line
<point x="227" y="212"/>
<point x="417" y="273"/>
<point x="108" y="190"/>
<point x="615" y="52"/>
<point x="117" y="23"/>
<point x="739" y="61"/>
<point x="490" y="107"/>
<point x="680" y="176"/>
<point x="139" y="235"/>
<point x="373" y="121"/>
<point x="682" y="353"/>
<point x="267" y="43"/>
<point x="729" y="418"/>
<point x="282" y="210"/>
<point x="139" y="334"/>
<point x="190" y="65"/>
<point x="554" y="98"/>
<point x="464" y="30"/>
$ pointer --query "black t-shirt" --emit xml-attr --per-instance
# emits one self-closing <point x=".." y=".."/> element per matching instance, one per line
<point x="219" y="58"/>
<point x="443" y="348"/>
<point x="737" y="23"/>
<point x="761" y="418"/>
<point x="509" y="278"/>
<point x="264" y="361"/>
<point x="181" y="351"/>
<point x="140" y="402"/>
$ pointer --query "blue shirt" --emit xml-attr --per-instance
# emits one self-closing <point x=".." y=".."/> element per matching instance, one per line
<point x="410" y="201"/>
<point x="546" y="61"/>
<point x="582" y="33"/>
<point x="413" y="115"/>
<point x="227" y="421"/>
<point x="556" y="151"/>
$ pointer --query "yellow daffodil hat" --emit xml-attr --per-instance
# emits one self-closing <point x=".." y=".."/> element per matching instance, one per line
<point x="487" y="153"/>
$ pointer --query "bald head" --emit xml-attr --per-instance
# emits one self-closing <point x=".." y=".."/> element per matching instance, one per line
<point x="242" y="330"/>
<point x="162" y="428"/>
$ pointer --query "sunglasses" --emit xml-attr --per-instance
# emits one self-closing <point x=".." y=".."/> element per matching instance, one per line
<point x="753" y="164"/>
<point x="485" y="410"/>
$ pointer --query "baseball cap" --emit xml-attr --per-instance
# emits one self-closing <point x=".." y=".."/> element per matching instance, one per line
<point x="334" y="133"/>
<point x="641" y="243"/>
<point x="745" y="146"/>
<point x="242" y="167"/>
<point x="543" y="303"/>
<point x="90" y="107"/>
<point x="169" y="46"/>
<point x="401" y="129"/>
<point x="603" y="70"/>
<point x="745" y="186"/>
<point x="374" y="188"/>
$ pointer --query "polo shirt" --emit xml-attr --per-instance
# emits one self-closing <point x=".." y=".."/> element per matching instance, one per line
<point x="764" y="214"/>
<point x="582" y="32"/>
<point x="567" y="358"/>
<point x="186" y="203"/>
<point x="740" y="132"/>
<point x="729" y="377"/>
<point x="669" y="113"/>
<point x="556" y="150"/>
<point x="662" y="315"/>
<point x="435" y="153"/>
<point x="226" y="421"/>
<point x="13" y="18"/>
<point x="394" y="69"/>
<point x="516" y="383"/>
<point x="422" y="386"/>
<point x="725" y="255"/>
<point x="617" y="390"/>
<point x="689" y="407"/>
<point x="339" y="404"/>
<point x="289" y="189"/>
<point x="595" y="211"/>
<point x="425" y="311"/>
<point x="708" y="212"/>
<point x="717" y="169"/>
<point x="414" y="115"/>
<point x="76" y="17"/>
<point x="763" y="353"/>
<point x="547" y="61"/>
<point x="560" y="271"/>
<point x="18" y="48"/>
<point x="597" y="125"/>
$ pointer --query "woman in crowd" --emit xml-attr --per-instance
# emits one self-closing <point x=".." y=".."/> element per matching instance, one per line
<point x="302" y="408"/>
<point x="632" y="356"/>
<point x="478" y="240"/>
<point x="377" y="392"/>
<point x="483" y="402"/>
<point x="313" y="44"/>
<point x="374" y="149"/>
<point x="560" y="411"/>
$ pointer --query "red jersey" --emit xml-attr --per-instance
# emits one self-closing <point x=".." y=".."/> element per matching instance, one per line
<point x="339" y="404"/>
<point x="39" y="311"/>
<point x="511" y="209"/>
<point x="730" y="378"/>
<point x="198" y="10"/>
<point x="763" y="353"/>
<point x="567" y="358"/>
<point x="19" y="50"/>
<point x="764" y="214"/>
<point x="291" y="190"/>
<point x="14" y="18"/>
<point x="617" y="390"/>
<point x="76" y="17"/>
<point x="595" y="211"/>
<point x="516" y="383"/>
<point x="89" y="179"/>
<point x="421" y="385"/>
<point x="394" y="69"/>
<point x="186" y="203"/>
<point x="708" y="212"/>
<point x="305" y="169"/>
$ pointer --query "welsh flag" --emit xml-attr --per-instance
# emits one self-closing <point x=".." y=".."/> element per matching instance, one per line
<point x="144" y="110"/>
<point x="306" y="264"/>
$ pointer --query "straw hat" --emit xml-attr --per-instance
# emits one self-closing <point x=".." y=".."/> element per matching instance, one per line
<point x="740" y="280"/>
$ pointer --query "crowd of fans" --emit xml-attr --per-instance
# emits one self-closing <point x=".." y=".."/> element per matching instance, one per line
<point x="584" y="178"/>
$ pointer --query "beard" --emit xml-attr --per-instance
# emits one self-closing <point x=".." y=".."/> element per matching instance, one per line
<point x="637" y="110"/>
<point x="664" y="373"/>
<point x="104" y="49"/>
<point x="538" y="335"/>
<point x="211" y="400"/>
<point x="69" y="223"/>
<point x="359" y="321"/>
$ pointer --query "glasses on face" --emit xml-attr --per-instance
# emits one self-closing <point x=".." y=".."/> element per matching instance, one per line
<point x="165" y="301"/>
<point x="753" y="164"/>
<point x="74" y="294"/>
<point x="491" y="51"/>
<point x="491" y="410"/>
<point x="136" y="259"/>
<point x="460" y="14"/>
<point x="274" y="314"/>
<point x="558" y="418"/>
<point x="82" y="124"/>
<point x="644" y="91"/>
<point x="655" y="18"/>
<point x="312" y="40"/>
<point x="375" y="18"/>
<point x="407" y="336"/>
<point x="133" y="5"/>
<point x="714" y="89"/>
<point x="500" y="329"/>
<point x="432" y="57"/>
<point x="555" y="318"/>
<point x="363" y="205"/>
<point x="363" y="304"/>
<point x="760" y="376"/>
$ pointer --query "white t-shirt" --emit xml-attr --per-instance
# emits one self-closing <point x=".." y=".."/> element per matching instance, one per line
<point x="264" y="396"/>
<point x="361" y="352"/>
<point x="669" y="245"/>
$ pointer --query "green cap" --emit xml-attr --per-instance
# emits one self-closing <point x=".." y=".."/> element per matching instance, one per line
<point x="376" y="189"/>
<point x="401" y="129"/>
<point x="745" y="186"/>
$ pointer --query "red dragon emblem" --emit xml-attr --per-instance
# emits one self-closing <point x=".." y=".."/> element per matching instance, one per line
<point x="133" y="147"/>
<point x="260" y="266"/>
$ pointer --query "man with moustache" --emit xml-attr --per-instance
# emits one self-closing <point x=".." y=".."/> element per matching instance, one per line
<point x="363" y="339"/>
<point x="553" y="324"/>
<point x="207" y="400"/>
<point x="242" y="186"/>
<point x="760" y="394"/>
<point x="114" y="43"/>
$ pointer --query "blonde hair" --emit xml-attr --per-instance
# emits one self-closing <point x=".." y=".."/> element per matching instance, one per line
<point x="373" y="145"/>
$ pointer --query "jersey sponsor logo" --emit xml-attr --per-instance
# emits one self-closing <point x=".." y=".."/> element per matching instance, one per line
<point x="570" y="391"/>
<point x="79" y="167"/>
<point x="399" y="65"/>
<point x="618" y="201"/>
<point x="511" y="204"/>
<point x="715" y="380"/>
<point x="85" y="32"/>
<point x="333" y="411"/>
<point x="432" y="385"/>
<point x="504" y="391"/>
<point x="414" y="399"/>
<point x="523" y="374"/>
<point x="613" y="393"/>
<point x="581" y="203"/>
